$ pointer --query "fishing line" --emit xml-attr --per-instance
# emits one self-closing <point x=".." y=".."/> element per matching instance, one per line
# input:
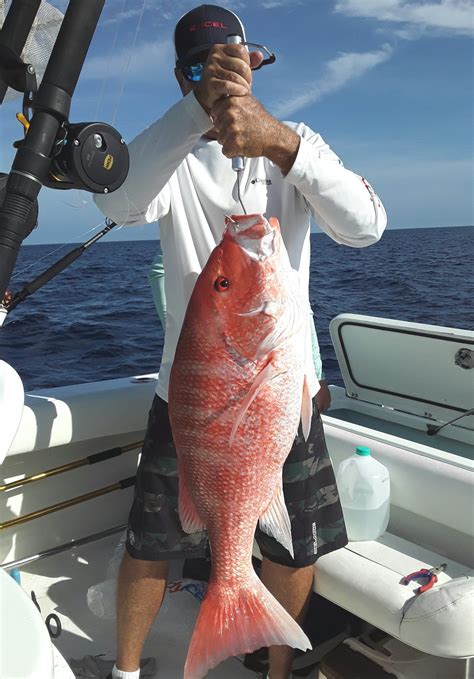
<point x="83" y="201"/>
<point x="118" y="227"/>
<point x="58" y="249"/>
<point x="137" y="30"/>
<point x="106" y="77"/>
<point x="122" y="88"/>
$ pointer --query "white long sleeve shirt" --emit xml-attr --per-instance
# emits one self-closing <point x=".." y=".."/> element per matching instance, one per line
<point x="182" y="179"/>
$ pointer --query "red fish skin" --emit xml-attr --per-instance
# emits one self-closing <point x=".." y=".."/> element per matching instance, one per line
<point x="227" y="485"/>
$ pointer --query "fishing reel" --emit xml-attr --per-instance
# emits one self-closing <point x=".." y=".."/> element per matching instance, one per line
<point x="89" y="156"/>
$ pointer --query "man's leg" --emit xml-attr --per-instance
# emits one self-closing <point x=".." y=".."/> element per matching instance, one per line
<point x="154" y="536"/>
<point x="292" y="587"/>
<point x="141" y="587"/>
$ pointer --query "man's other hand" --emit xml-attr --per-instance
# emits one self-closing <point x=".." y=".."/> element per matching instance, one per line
<point x="228" y="72"/>
<point x="323" y="397"/>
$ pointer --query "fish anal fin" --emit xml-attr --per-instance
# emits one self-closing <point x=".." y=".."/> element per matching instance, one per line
<point x="306" y="409"/>
<point x="190" y="519"/>
<point x="275" y="520"/>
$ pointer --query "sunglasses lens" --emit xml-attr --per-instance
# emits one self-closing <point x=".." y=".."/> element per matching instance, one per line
<point x="193" y="72"/>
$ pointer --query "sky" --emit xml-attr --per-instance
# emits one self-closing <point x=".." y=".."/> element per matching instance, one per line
<point x="387" y="83"/>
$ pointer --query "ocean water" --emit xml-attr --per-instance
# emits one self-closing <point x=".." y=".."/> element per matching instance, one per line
<point x="96" y="320"/>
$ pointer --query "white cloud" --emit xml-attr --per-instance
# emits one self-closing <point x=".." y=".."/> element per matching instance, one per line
<point x="273" y="4"/>
<point x="449" y="16"/>
<point x="122" y="16"/>
<point x="337" y="73"/>
<point x="143" y="64"/>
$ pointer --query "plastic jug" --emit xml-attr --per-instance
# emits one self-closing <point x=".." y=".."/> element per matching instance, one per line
<point x="364" y="491"/>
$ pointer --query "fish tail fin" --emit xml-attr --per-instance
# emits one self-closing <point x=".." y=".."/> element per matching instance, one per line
<point x="231" y="622"/>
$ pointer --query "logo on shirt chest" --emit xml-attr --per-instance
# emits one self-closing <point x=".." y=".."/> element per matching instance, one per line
<point x="265" y="182"/>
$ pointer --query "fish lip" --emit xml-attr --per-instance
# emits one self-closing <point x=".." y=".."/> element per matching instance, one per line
<point x="258" y="246"/>
<point x="240" y="223"/>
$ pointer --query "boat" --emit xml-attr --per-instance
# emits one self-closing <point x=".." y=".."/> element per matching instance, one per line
<point x="69" y="457"/>
<point x="68" y="475"/>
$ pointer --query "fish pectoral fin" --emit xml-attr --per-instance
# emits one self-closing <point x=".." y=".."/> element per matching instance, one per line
<point x="190" y="519"/>
<point x="306" y="409"/>
<point x="275" y="520"/>
<point x="265" y="376"/>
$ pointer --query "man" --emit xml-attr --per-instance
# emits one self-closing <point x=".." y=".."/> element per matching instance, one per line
<point x="181" y="175"/>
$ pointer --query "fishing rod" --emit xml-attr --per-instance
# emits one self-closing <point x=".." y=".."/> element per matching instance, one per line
<point x="12" y="301"/>
<point x="54" y="152"/>
<point x="71" y="502"/>
<point x="101" y="456"/>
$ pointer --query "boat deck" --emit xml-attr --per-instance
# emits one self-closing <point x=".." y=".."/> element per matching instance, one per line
<point x="61" y="582"/>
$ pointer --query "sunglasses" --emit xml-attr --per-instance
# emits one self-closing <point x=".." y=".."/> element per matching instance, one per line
<point x="193" y="72"/>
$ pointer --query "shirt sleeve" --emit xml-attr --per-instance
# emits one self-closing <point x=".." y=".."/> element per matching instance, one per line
<point x="343" y="204"/>
<point x="154" y="156"/>
<point x="317" y="359"/>
<point x="156" y="279"/>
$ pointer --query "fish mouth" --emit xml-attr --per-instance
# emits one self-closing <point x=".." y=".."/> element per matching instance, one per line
<point x="254" y="234"/>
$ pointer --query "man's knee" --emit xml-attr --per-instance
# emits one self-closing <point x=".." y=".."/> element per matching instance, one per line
<point x="139" y="568"/>
<point x="287" y="569"/>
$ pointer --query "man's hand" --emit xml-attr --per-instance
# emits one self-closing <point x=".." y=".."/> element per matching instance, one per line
<point x="323" y="397"/>
<point x="245" y="128"/>
<point x="228" y="72"/>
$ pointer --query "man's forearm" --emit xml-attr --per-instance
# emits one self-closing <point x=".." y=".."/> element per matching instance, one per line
<point x="283" y="146"/>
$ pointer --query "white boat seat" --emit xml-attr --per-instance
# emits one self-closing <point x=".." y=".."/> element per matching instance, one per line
<point x="365" y="579"/>
<point x="26" y="651"/>
<point x="12" y="397"/>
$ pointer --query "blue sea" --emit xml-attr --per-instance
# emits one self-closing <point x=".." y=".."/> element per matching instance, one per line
<point x="96" y="320"/>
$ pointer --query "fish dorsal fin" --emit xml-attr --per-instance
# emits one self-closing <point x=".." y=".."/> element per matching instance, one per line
<point x="306" y="409"/>
<point x="265" y="376"/>
<point x="275" y="520"/>
<point x="190" y="519"/>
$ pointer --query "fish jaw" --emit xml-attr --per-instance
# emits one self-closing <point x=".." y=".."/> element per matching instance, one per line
<point x="254" y="234"/>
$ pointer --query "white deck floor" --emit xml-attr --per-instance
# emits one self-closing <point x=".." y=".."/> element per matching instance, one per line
<point x="61" y="583"/>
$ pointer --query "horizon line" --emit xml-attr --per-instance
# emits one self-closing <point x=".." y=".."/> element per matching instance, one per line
<point x="313" y="233"/>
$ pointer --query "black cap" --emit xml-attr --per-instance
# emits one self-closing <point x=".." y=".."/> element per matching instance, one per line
<point x="201" y="28"/>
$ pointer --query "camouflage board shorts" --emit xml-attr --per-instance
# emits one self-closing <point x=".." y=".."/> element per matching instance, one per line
<point x="154" y="528"/>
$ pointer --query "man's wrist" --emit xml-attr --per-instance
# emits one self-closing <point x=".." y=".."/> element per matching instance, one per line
<point x="283" y="147"/>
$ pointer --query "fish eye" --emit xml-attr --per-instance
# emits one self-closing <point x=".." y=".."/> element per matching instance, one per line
<point x="221" y="284"/>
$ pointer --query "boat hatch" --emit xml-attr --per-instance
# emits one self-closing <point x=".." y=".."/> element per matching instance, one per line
<point x="424" y="370"/>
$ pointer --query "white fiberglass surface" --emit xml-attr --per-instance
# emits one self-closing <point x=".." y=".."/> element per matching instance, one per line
<point x="61" y="583"/>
